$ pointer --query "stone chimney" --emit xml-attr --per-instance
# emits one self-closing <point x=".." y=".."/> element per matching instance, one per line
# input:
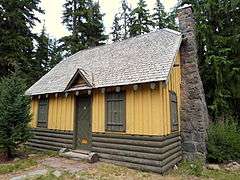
<point x="194" y="114"/>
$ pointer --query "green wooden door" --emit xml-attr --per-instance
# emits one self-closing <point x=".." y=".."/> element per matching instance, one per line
<point x="84" y="131"/>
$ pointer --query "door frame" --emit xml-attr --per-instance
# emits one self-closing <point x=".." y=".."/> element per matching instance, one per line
<point x="75" y="124"/>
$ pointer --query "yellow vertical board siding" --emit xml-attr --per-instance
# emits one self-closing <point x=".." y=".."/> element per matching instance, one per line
<point x="98" y="112"/>
<point x="34" y="113"/>
<point x="61" y="112"/>
<point x="174" y="84"/>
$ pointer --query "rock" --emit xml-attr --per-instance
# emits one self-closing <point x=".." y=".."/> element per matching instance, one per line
<point x="63" y="150"/>
<point x="233" y="166"/>
<point x="16" y="159"/>
<point x="57" y="173"/>
<point x="31" y="174"/>
<point x="213" y="167"/>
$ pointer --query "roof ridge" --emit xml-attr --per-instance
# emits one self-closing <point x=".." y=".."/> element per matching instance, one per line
<point x="172" y="31"/>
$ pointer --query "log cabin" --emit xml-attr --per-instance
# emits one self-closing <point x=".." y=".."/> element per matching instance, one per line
<point x="120" y="100"/>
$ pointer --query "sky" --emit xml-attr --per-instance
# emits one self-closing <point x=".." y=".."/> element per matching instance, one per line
<point x="54" y="8"/>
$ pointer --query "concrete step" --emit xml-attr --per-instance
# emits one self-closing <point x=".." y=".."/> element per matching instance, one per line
<point x="81" y="155"/>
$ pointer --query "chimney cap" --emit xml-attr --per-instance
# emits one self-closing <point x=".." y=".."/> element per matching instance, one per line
<point x="185" y="6"/>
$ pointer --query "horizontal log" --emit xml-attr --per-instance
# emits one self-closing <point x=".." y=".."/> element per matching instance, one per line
<point x="43" y="146"/>
<point x="126" y="147"/>
<point x="170" y="147"/>
<point x="130" y="159"/>
<point x="56" y="144"/>
<point x="171" y="158"/>
<point x="170" y="153"/>
<point x="136" y="142"/>
<point x="134" y="166"/>
<point x="127" y="153"/>
<point x="45" y="134"/>
<point x="171" y="164"/>
<point x="136" y="137"/>
<point x="52" y="131"/>
<point x="65" y="141"/>
<point x="149" y="156"/>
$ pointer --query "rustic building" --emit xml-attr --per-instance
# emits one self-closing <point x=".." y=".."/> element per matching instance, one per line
<point x="122" y="101"/>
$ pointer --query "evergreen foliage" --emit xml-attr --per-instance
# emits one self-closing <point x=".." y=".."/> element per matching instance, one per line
<point x="121" y="23"/>
<point x="140" y="20"/>
<point x="14" y="114"/>
<point x="218" y="35"/>
<point x="47" y="55"/>
<point x="116" y="29"/>
<point x="223" y="142"/>
<point x="125" y="16"/>
<point x="17" y="19"/>
<point x="159" y="16"/>
<point x="85" y="22"/>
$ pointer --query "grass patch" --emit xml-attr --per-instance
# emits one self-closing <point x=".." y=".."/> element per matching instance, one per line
<point x="197" y="169"/>
<point x="17" y="165"/>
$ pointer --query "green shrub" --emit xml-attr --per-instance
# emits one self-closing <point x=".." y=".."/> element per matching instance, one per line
<point x="223" y="142"/>
<point x="14" y="114"/>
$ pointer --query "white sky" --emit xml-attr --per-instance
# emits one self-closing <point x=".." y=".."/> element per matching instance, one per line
<point x="53" y="14"/>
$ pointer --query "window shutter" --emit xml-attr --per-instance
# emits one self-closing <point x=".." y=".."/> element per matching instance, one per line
<point x="173" y="110"/>
<point x="43" y="113"/>
<point x="115" y="111"/>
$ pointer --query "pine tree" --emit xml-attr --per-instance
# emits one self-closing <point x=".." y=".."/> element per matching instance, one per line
<point x="94" y="26"/>
<point x="14" y="115"/>
<point x="125" y="16"/>
<point x="140" y="19"/>
<point x="55" y="54"/>
<point x="17" y="19"/>
<point x="84" y="21"/>
<point x="116" y="29"/>
<point x="159" y="16"/>
<point x="40" y="67"/>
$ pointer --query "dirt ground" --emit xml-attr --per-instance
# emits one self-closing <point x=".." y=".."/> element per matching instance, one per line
<point x="75" y="169"/>
<point x="54" y="167"/>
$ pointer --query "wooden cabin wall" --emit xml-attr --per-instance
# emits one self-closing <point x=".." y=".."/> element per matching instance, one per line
<point x="147" y="110"/>
<point x="60" y="112"/>
<point x="175" y="82"/>
<point x="34" y="112"/>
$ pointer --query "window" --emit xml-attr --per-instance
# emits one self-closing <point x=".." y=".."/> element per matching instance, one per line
<point x="173" y="110"/>
<point x="115" y="111"/>
<point x="42" y="113"/>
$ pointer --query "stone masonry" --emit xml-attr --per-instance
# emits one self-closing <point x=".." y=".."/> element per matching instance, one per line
<point x="194" y="114"/>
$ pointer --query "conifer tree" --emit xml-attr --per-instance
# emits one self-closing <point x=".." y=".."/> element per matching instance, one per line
<point x="17" y="19"/>
<point x="125" y="16"/>
<point x="116" y="29"/>
<point x="14" y="115"/>
<point x="41" y="59"/>
<point x="140" y="19"/>
<point x="55" y="54"/>
<point x="84" y="21"/>
<point x="159" y="16"/>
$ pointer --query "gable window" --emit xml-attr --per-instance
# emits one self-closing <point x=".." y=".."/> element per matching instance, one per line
<point x="115" y="112"/>
<point x="173" y="111"/>
<point x="42" y="113"/>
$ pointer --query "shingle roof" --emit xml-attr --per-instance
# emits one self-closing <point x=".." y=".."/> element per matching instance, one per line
<point x="145" y="58"/>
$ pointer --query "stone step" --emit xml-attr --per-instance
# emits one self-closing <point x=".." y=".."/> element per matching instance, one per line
<point x="81" y="151"/>
<point x="78" y="155"/>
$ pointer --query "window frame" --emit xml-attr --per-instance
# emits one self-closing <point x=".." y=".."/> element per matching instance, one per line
<point x="123" y="126"/>
<point x="174" y="125"/>
<point x="45" y="126"/>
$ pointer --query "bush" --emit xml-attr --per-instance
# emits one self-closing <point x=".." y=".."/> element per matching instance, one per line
<point x="14" y="115"/>
<point x="223" y="142"/>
